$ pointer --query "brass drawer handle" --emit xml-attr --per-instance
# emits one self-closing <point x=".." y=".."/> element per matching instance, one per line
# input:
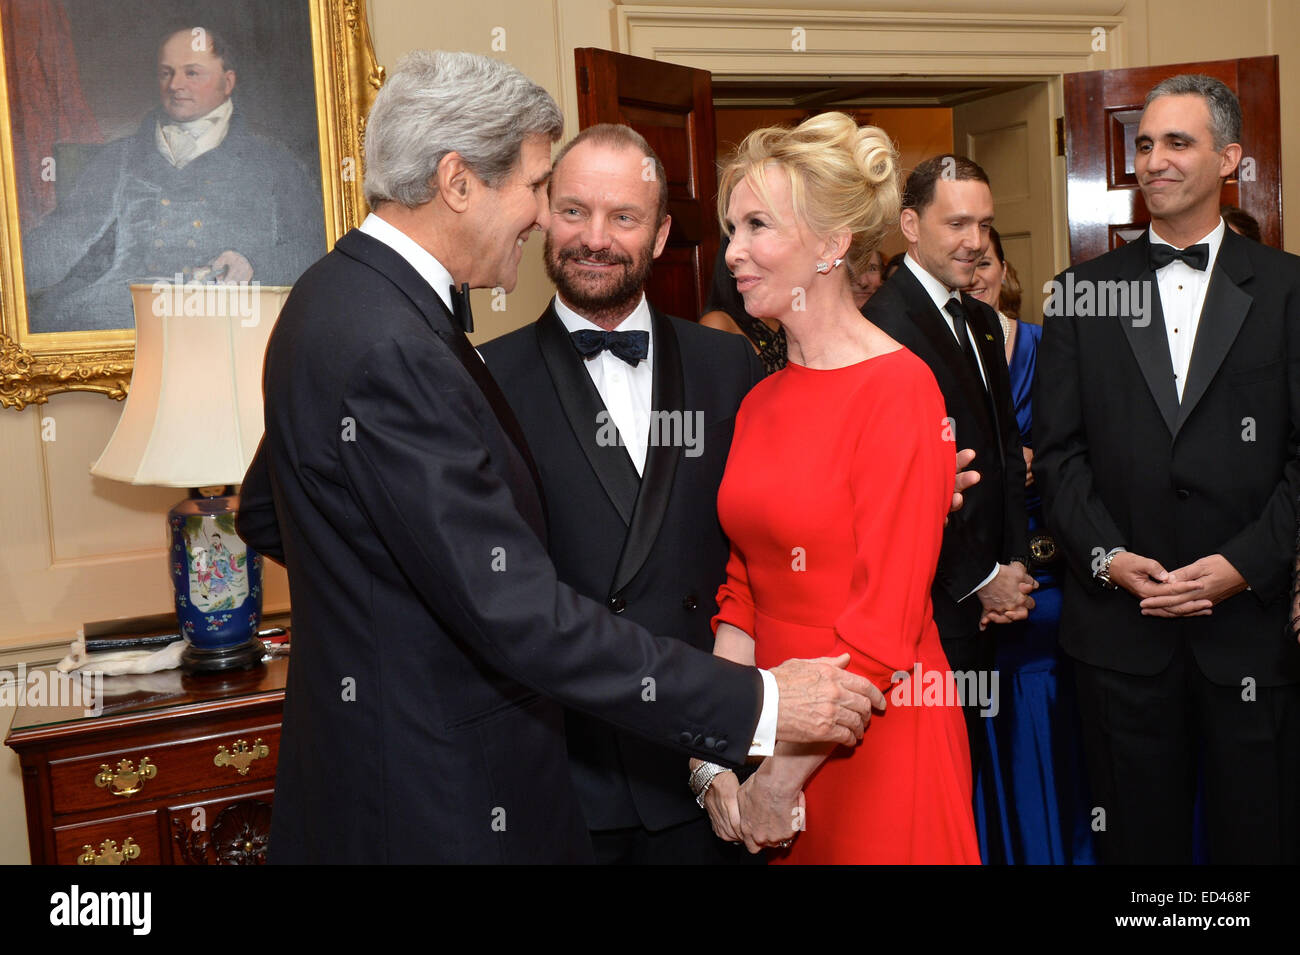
<point x="241" y="757"/>
<point x="127" y="780"/>
<point x="109" y="853"/>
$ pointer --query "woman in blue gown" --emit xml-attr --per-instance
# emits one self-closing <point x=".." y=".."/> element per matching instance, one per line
<point x="1031" y="804"/>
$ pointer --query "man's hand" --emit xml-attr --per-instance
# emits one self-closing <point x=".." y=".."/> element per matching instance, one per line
<point x="965" y="480"/>
<point x="768" y="814"/>
<point x="1216" y="580"/>
<point x="1144" y="578"/>
<point x="1006" y="598"/>
<point x="720" y="801"/>
<point x="821" y="702"/>
<point x="230" y="267"/>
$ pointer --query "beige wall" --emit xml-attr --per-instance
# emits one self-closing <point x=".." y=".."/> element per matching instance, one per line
<point x="73" y="548"/>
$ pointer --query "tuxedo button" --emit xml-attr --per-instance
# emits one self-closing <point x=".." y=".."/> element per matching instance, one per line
<point x="1183" y="493"/>
<point x="697" y="739"/>
<point x="684" y="738"/>
<point x="710" y="742"/>
<point x="689" y="602"/>
<point x="720" y="746"/>
<point x="617" y="604"/>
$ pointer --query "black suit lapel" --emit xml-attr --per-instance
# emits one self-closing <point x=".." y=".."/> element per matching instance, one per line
<point x="993" y="357"/>
<point x="586" y="412"/>
<point x="1148" y="341"/>
<point x="925" y="315"/>
<point x="383" y="259"/>
<point x="668" y="397"/>
<point x="1221" y="318"/>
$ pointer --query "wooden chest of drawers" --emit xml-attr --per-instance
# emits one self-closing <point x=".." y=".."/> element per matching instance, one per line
<point x="180" y="773"/>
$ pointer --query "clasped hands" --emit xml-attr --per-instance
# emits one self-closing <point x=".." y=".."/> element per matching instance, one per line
<point x="820" y="704"/>
<point x="1190" y="591"/>
<point x="759" y="813"/>
<point x="1006" y="598"/>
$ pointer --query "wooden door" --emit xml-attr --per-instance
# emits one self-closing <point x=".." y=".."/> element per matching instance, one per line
<point x="1010" y="136"/>
<point x="672" y="107"/>
<point x="1102" y="110"/>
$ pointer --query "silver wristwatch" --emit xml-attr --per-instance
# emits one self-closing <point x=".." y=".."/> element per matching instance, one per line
<point x="1103" y="572"/>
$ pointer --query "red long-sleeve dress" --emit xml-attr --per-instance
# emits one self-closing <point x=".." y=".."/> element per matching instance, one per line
<point x="834" y="499"/>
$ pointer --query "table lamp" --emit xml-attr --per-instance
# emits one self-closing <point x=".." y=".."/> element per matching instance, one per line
<point x="193" y="419"/>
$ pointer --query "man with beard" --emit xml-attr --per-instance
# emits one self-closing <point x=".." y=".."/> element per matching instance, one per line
<point x="629" y="413"/>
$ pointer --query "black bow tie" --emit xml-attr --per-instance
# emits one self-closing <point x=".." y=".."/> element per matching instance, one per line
<point x="1197" y="256"/>
<point x="460" y="307"/>
<point x="632" y="347"/>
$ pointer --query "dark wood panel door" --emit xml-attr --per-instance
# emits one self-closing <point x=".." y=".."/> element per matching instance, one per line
<point x="672" y="107"/>
<point x="1102" y="109"/>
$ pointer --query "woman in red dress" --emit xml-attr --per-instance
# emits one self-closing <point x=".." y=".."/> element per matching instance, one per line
<point x="834" y="497"/>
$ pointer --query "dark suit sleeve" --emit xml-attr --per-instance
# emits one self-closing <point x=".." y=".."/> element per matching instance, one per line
<point x="1262" y="552"/>
<point x="421" y="472"/>
<point x="960" y="567"/>
<point x="1062" y="468"/>
<point x="256" y="521"/>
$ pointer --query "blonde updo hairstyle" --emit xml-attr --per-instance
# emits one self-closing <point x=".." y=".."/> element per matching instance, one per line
<point x="843" y="177"/>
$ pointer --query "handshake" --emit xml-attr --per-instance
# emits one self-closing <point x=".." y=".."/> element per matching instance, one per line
<point x="821" y="705"/>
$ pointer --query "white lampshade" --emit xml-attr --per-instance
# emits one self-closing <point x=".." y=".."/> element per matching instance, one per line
<point x="193" y="417"/>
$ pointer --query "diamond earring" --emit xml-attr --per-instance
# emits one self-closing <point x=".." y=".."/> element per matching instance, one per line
<point x="823" y="268"/>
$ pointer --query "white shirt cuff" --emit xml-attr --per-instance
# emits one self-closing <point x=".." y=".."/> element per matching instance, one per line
<point x="765" y="733"/>
<point x="985" y="582"/>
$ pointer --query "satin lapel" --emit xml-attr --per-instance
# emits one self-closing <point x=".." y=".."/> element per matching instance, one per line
<point x="668" y="398"/>
<point x="383" y="259"/>
<point x="1148" y="341"/>
<point x="991" y="353"/>
<point x="1222" y="315"/>
<point x="586" y="412"/>
<point x="925" y="316"/>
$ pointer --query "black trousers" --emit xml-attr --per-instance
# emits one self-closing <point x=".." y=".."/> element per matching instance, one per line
<point x="1147" y="737"/>
<point x="691" y="843"/>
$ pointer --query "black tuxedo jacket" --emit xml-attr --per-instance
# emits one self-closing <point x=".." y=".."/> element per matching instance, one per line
<point x="1122" y="463"/>
<point x="649" y="547"/>
<point x="992" y="526"/>
<point x="433" y="645"/>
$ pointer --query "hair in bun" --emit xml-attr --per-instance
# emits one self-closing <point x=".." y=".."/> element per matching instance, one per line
<point x="843" y="177"/>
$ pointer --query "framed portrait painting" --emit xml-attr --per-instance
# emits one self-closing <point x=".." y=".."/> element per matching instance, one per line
<point x="164" y="141"/>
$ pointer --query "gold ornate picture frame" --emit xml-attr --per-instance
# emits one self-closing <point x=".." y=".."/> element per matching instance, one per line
<point x="35" y="364"/>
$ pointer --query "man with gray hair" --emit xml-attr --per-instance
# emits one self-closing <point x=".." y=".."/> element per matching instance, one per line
<point x="434" y="644"/>
<point x="1166" y="441"/>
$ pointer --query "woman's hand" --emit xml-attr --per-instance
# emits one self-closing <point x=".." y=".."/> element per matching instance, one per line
<point x="723" y="808"/>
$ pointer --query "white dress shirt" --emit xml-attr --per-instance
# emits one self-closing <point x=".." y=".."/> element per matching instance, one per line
<point x="430" y="269"/>
<point x="940" y="294"/>
<point x="1182" y="296"/>
<point x="625" y="389"/>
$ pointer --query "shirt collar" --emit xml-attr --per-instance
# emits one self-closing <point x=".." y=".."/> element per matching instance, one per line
<point x="638" y="321"/>
<point x="938" y="292"/>
<point x="430" y="269"/>
<point x="1214" y="239"/>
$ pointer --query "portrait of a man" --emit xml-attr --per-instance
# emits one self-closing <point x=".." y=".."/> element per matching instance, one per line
<point x="215" y="180"/>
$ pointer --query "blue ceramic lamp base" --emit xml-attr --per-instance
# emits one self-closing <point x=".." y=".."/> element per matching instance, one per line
<point x="218" y="583"/>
